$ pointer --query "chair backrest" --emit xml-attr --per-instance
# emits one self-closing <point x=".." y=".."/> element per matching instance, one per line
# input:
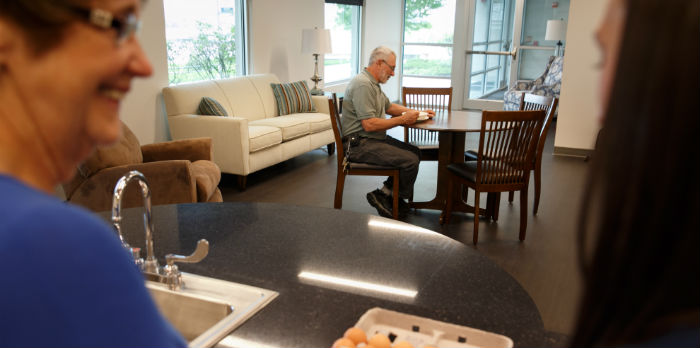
<point x="419" y="98"/>
<point x="334" y="96"/>
<point x="507" y="146"/>
<point x="538" y="102"/>
<point x="337" y="131"/>
<point x="540" y="80"/>
<point x="554" y="71"/>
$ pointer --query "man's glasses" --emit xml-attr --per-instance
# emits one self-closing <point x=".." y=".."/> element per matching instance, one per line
<point x="393" y="68"/>
<point x="125" y="27"/>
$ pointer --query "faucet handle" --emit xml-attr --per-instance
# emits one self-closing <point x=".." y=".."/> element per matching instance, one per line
<point x="200" y="252"/>
<point x="136" y="254"/>
<point x="170" y="271"/>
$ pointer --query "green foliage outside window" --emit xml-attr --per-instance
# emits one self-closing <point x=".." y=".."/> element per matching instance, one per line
<point x="211" y="55"/>
<point x="427" y="67"/>
<point x="415" y="11"/>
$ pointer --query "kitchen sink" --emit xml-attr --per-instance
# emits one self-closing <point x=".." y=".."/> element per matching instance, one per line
<point x="206" y="310"/>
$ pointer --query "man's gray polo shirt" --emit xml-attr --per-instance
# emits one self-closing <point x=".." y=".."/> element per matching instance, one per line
<point x="363" y="99"/>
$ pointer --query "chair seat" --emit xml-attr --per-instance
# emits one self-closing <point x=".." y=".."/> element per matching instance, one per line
<point x="368" y="166"/>
<point x="467" y="170"/>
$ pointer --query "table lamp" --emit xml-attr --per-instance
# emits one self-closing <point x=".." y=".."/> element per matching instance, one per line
<point x="316" y="41"/>
<point x="556" y="31"/>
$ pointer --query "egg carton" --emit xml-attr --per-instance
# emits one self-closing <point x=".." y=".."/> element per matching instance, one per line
<point x="421" y="332"/>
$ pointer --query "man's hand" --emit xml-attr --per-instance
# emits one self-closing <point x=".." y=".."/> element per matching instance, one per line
<point x="410" y="117"/>
<point x="430" y="112"/>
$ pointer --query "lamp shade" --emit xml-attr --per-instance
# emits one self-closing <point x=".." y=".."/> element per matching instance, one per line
<point x="556" y="30"/>
<point x="316" y="41"/>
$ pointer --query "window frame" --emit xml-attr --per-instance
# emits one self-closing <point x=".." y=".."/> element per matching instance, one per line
<point x="356" y="40"/>
<point x="404" y="44"/>
<point x="242" y="52"/>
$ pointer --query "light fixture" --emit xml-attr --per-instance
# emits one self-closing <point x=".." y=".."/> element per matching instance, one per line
<point x="556" y="31"/>
<point x="316" y="41"/>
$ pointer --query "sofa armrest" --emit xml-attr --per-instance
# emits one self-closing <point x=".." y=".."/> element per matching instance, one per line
<point x="186" y="149"/>
<point x="170" y="182"/>
<point x="229" y="138"/>
<point x="321" y="103"/>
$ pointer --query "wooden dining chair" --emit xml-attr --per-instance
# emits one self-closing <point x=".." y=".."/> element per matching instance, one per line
<point x="507" y="144"/>
<point x="347" y="167"/>
<point x="418" y="98"/>
<point x="533" y="102"/>
<point x="549" y="105"/>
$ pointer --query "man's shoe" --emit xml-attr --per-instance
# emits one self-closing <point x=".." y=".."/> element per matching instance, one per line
<point x="381" y="202"/>
<point x="404" y="208"/>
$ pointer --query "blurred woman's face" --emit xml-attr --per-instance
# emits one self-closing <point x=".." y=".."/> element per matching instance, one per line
<point x="72" y="92"/>
<point x="609" y="37"/>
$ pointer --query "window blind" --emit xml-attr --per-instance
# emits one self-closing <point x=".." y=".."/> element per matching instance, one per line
<point x="346" y="2"/>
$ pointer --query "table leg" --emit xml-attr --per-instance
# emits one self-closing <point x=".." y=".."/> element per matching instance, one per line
<point x="452" y="151"/>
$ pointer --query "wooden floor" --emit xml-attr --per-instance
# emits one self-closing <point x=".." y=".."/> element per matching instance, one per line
<point x="545" y="263"/>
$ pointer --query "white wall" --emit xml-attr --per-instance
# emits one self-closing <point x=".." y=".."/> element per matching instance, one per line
<point x="459" y="58"/>
<point x="275" y="37"/>
<point x="579" y="108"/>
<point x="382" y="27"/>
<point x="142" y="110"/>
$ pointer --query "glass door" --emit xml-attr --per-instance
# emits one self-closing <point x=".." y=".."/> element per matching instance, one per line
<point x="506" y="43"/>
<point x="492" y="52"/>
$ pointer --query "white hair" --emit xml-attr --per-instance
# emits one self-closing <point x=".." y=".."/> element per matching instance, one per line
<point x="380" y="53"/>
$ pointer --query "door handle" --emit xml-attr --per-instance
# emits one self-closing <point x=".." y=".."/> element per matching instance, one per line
<point x="513" y="53"/>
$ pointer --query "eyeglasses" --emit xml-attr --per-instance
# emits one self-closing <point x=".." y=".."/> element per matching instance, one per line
<point x="393" y="68"/>
<point x="125" y="27"/>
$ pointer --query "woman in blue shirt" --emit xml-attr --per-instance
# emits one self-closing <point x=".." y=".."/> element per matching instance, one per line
<point x="65" y="281"/>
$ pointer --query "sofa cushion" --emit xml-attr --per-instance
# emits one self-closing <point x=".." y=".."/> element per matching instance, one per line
<point x="318" y="122"/>
<point x="292" y="126"/>
<point x="292" y="98"/>
<point x="184" y="98"/>
<point x="209" y="106"/>
<point x="261" y="137"/>
<point x="267" y="97"/>
<point x="243" y="97"/>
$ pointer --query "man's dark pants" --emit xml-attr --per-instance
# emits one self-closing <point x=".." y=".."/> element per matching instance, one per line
<point x="389" y="152"/>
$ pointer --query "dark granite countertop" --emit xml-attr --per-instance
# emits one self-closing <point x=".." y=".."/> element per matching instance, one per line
<point x="269" y="245"/>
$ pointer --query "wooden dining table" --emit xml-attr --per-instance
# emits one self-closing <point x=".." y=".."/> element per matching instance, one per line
<point x="452" y="126"/>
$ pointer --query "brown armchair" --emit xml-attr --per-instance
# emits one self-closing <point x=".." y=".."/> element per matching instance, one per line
<point x="177" y="172"/>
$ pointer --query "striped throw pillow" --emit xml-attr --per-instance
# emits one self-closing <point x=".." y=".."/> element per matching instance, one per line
<point x="293" y="98"/>
<point x="209" y="106"/>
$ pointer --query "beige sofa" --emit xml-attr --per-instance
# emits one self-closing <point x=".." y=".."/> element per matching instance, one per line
<point x="252" y="137"/>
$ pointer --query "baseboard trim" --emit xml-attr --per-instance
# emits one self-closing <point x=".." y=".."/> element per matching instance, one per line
<point x="572" y="152"/>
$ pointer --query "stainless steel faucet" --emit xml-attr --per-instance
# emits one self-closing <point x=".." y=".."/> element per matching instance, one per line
<point x="168" y="274"/>
<point x="151" y="263"/>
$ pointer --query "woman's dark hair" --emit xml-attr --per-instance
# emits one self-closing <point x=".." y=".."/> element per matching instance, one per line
<point x="42" y="21"/>
<point x="642" y="200"/>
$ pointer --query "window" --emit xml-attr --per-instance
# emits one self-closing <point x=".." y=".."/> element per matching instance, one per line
<point x="534" y="50"/>
<point x="492" y="32"/>
<point x="205" y="39"/>
<point x="343" y="19"/>
<point x="427" y="43"/>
